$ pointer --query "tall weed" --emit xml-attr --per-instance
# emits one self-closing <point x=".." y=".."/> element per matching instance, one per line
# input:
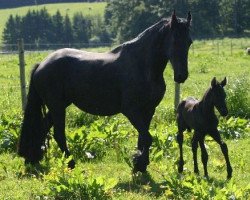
<point x="238" y="97"/>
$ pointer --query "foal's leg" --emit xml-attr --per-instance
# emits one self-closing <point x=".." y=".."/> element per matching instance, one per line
<point x="58" y="117"/>
<point x="204" y="155"/>
<point x="180" y="142"/>
<point x="195" y="141"/>
<point x="216" y="136"/>
<point x="141" y="121"/>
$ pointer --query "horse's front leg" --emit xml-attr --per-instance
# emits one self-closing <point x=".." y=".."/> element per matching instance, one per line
<point x="141" y="121"/>
<point x="216" y="136"/>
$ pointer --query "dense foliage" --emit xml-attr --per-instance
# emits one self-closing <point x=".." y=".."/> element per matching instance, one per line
<point x="40" y="27"/>
<point x="17" y="3"/>
<point x="210" y="17"/>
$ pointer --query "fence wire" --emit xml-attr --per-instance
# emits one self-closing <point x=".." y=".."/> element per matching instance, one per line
<point x="216" y="47"/>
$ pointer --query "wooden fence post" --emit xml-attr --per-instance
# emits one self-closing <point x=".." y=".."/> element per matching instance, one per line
<point x="22" y="72"/>
<point x="176" y="96"/>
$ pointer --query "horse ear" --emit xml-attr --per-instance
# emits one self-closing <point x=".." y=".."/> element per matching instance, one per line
<point x="213" y="82"/>
<point x="174" y="20"/>
<point x="224" y="82"/>
<point x="189" y="18"/>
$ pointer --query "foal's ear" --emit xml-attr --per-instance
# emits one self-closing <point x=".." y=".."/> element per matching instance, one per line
<point x="174" y="20"/>
<point x="213" y="82"/>
<point x="224" y="82"/>
<point x="189" y="18"/>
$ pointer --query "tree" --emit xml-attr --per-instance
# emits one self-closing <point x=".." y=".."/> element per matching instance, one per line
<point x="9" y="34"/>
<point x="57" y="26"/>
<point x="67" y="30"/>
<point x="81" y="28"/>
<point x="45" y="26"/>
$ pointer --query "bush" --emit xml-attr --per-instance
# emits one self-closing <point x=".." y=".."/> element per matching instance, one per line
<point x="64" y="183"/>
<point x="238" y="98"/>
<point x="9" y="129"/>
<point x="234" y="128"/>
<point x="94" y="139"/>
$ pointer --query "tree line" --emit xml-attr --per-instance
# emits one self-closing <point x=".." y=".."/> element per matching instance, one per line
<point x="211" y="18"/>
<point x="18" y="3"/>
<point x="125" y="19"/>
<point x="39" y="27"/>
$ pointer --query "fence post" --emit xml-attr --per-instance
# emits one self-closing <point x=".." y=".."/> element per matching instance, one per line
<point x="176" y="96"/>
<point x="218" y="48"/>
<point x="22" y="72"/>
<point x="231" y="48"/>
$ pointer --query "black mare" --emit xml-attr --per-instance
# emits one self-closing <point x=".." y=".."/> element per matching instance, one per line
<point x="200" y="116"/>
<point x="128" y="80"/>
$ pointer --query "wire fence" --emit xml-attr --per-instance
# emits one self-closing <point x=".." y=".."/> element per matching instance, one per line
<point x="34" y="47"/>
<point x="215" y="46"/>
<point x="10" y="85"/>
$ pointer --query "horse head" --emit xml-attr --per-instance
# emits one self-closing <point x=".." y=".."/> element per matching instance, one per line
<point x="219" y="95"/>
<point x="178" y="45"/>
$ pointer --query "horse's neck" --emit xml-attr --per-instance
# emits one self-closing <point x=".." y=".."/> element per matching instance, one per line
<point x="153" y="58"/>
<point x="207" y="106"/>
<point x="149" y="53"/>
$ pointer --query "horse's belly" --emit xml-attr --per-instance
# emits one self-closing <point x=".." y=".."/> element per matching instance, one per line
<point x="98" y="105"/>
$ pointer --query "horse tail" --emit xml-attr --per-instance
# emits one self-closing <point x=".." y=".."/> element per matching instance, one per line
<point x="32" y="137"/>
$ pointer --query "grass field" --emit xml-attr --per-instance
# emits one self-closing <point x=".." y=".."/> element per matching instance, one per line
<point x="113" y="140"/>
<point x="70" y="8"/>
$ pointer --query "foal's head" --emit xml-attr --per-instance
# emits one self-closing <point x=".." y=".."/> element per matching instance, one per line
<point x="218" y="95"/>
<point x="178" y="45"/>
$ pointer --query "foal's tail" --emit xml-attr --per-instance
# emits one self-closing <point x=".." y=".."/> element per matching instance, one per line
<point x="32" y="137"/>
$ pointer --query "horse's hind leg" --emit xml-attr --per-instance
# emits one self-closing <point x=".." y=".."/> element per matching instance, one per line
<point x="47" y="123"/>
<point x="195" y="141"/>
<point x="58" y="117"/>
<point x="216" y="136"/>
<point x="204" y="155"/>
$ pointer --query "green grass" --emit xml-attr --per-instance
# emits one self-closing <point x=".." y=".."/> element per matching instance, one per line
<point x="163" y="181"/>
<point x="91" y="9"/>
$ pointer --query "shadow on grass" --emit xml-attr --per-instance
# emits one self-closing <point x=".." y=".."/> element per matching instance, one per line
<point x="36" y="170"/>
<point x="141" y="183"/>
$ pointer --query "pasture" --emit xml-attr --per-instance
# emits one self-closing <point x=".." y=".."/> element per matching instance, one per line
<point x="87" y="9"/>
<point x="103" y="146"/>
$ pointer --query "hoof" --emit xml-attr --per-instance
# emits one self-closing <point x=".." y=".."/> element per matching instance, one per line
<point x="229" y="173"/>
<point x="180" y="166"/>
<point x="140" y="163"/>
<point x="71" y="164"/>
<point x="29" y="162"/>
<point x="196" y="171"/>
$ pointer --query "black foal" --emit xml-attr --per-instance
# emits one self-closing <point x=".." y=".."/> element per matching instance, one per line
<point x="200" y="116"/>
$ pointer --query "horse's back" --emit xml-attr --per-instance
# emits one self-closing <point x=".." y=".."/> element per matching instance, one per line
<point x="186" y="113"/>
<point x="89" y="80"/>
<point x="187" y="104"/>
